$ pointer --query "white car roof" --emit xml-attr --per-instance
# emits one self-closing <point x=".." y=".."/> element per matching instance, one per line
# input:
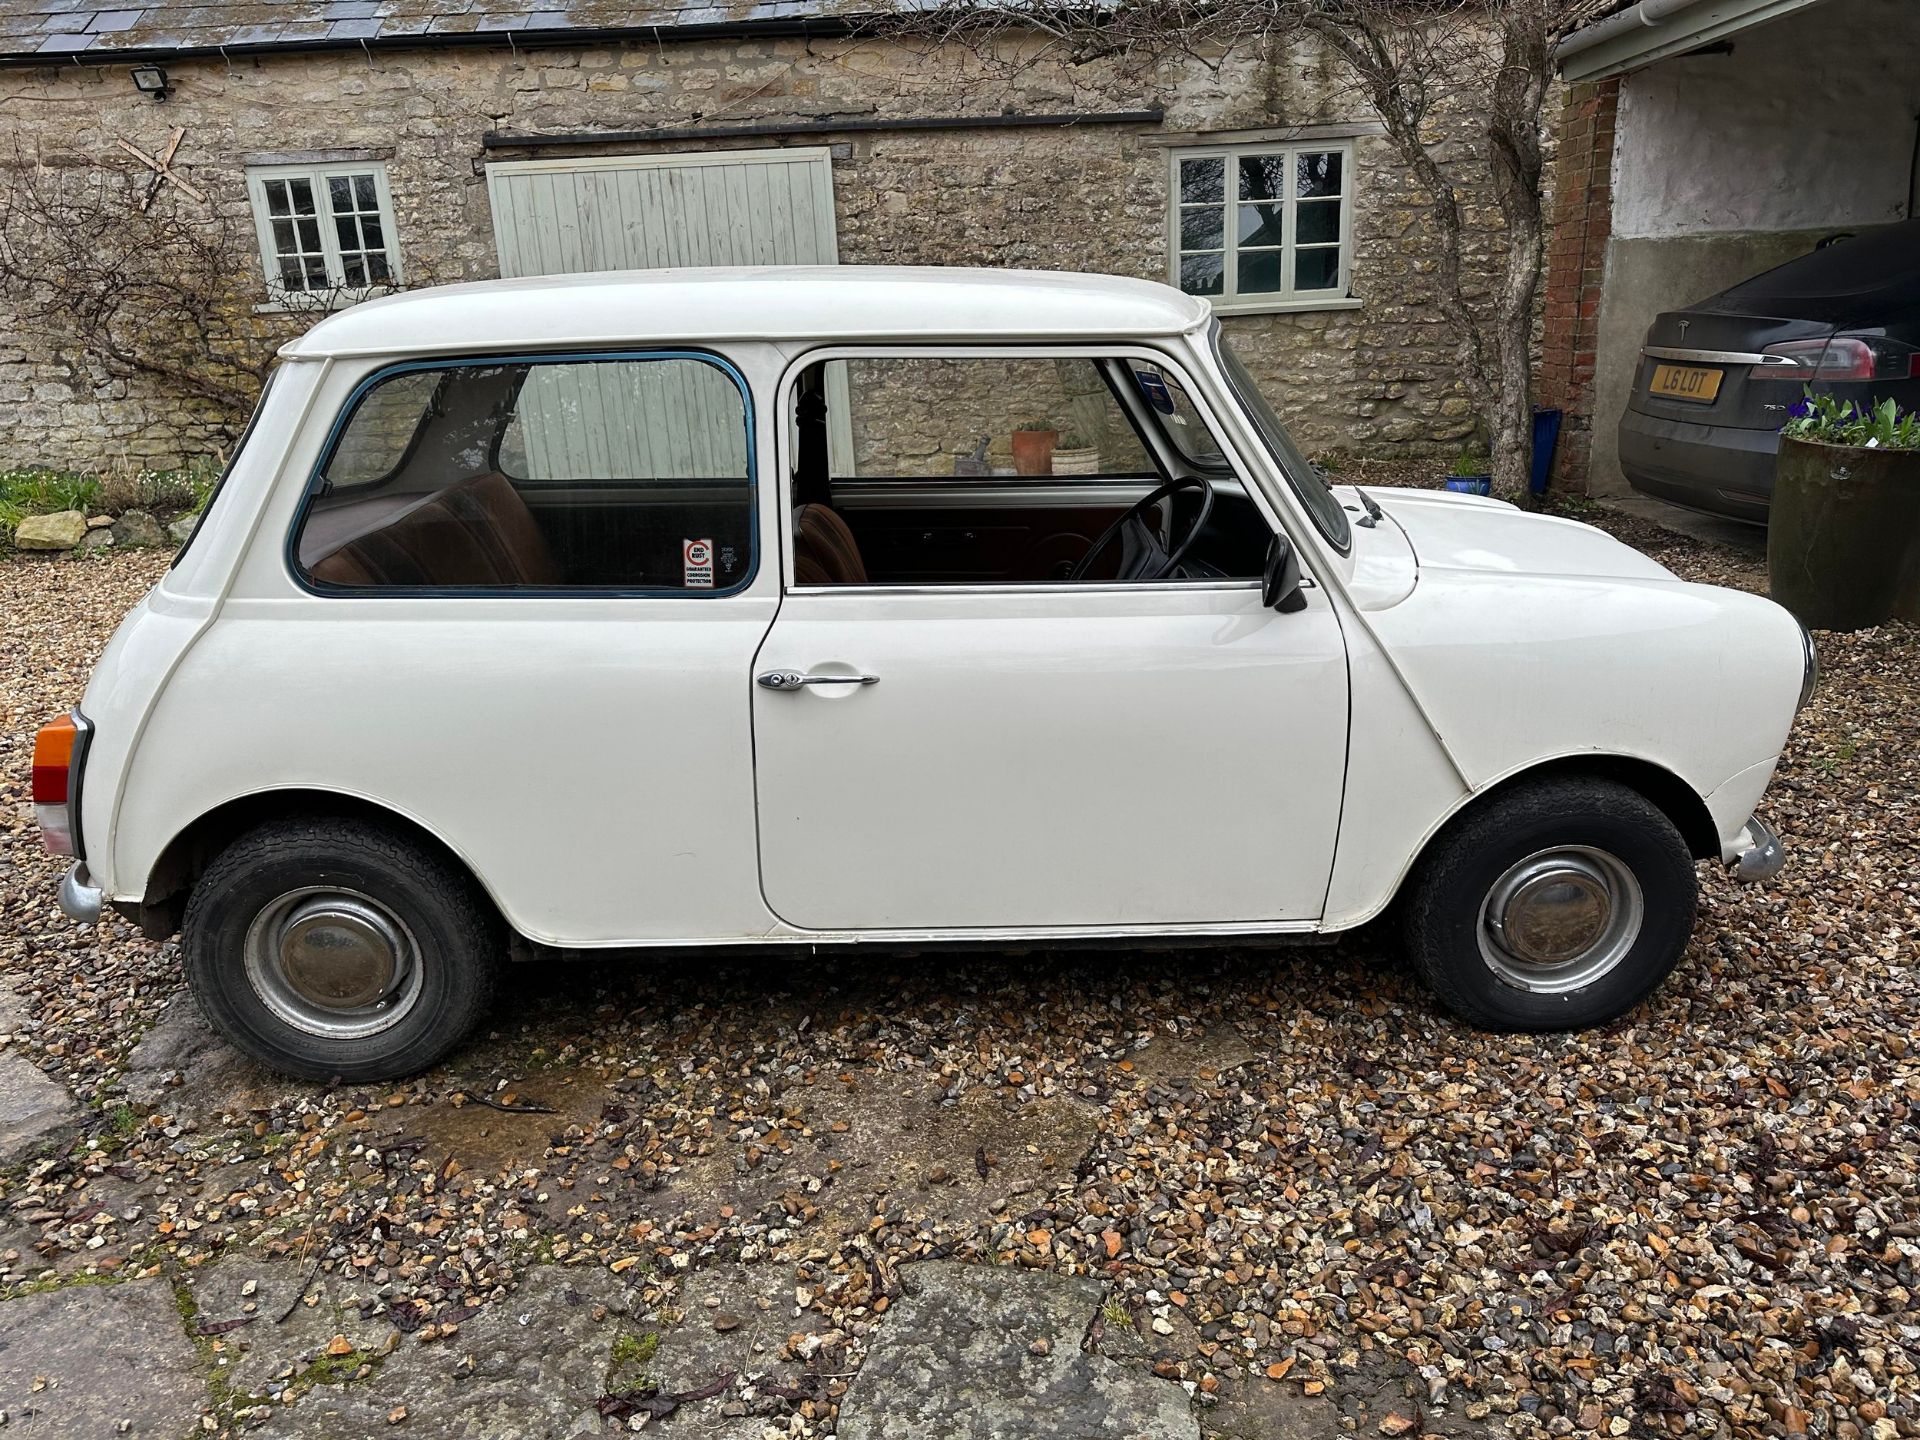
<point x="692" y="306"/>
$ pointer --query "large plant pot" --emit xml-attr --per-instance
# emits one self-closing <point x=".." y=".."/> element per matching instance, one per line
<point x="1843" y="534"/>
<point x="1081" y="460"/>
<point x="1033" y="451"/>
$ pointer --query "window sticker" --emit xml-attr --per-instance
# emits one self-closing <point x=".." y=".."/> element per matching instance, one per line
<point x="696" y="562"/>
<point x="1155" y="388"/>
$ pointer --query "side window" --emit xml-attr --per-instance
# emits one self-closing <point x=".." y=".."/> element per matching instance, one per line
<point x="372" y="447"/>
<point x="1012" y="470"/>
<point x="630" y="473"/>
<point x="916" y="418"/>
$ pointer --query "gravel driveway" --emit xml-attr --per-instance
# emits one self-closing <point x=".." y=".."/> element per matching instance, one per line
<point x="1280" y="1188"/>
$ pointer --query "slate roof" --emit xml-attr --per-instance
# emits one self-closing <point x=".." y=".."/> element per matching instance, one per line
<point x="43" y="31"/>
<point x="90" y="30"/>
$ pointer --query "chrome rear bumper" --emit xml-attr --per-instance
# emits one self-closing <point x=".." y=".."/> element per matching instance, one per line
<point x="79" y="900"/>
<point x="1762" y="859"/>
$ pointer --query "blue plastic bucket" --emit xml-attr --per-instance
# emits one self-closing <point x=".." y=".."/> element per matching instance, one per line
<point x="1546" y="438"/>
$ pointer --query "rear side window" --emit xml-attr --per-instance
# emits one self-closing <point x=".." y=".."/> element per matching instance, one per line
<point x="631" y="473"/>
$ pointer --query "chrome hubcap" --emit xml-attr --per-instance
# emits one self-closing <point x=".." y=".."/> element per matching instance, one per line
<point x="1560" y="919"/>
<point x="333" y="963"/>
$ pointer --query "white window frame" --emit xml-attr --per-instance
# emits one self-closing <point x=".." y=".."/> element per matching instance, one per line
<point x="339" y="292"/>
<point x="1230" y="301"/>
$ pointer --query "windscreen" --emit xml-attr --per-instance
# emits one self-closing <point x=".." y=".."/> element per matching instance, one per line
<point x="1328" y="517"/>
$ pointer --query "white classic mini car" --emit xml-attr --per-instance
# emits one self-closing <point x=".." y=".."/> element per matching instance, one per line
<point x="794" y="608"/>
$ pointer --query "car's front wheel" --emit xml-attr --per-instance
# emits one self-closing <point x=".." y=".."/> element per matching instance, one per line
<point x="338" y="949"/>
<point x="1559" y="904"/>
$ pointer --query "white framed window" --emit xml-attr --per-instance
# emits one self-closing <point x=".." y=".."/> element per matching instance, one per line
<point x="325" y="230"/>
<point x="1263" y="227"/>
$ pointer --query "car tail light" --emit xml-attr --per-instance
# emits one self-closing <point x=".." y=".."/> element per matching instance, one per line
<point x="58" y="752"/>
<point x="1844" y="357"/>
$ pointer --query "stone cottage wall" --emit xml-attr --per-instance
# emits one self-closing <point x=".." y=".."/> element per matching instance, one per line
<point x="1088" y="198"/>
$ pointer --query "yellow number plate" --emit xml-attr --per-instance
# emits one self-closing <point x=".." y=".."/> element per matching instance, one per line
<point x="1686" y="382"/>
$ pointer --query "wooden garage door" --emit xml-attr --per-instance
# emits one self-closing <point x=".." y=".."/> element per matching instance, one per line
<point x="647" y="212"/>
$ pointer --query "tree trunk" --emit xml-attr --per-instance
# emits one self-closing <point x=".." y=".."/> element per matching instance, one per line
<point x="1509" y="407"/>
<point x="1513" y="144"/>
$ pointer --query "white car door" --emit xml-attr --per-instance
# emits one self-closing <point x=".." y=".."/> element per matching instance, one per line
<point x="1089" y="757"/>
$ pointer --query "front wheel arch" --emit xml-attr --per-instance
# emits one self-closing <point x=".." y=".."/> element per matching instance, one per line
<point x="1673" y="797"/>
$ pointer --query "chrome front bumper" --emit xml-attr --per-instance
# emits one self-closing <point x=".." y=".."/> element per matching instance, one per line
<point x="1762" y="858"/>
<point x="79" y="900"/>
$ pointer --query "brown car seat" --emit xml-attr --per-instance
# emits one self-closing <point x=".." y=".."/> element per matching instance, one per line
<point x="477" y="532"/>
<point x="824" y="550"/>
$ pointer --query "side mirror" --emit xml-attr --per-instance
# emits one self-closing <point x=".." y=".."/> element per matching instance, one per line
<point x="1280" y="581"/>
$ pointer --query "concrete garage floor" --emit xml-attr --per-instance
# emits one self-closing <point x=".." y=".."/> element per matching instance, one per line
<point x="1092" y="1195"/>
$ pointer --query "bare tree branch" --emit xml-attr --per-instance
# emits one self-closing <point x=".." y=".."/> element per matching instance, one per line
<point x="136" y="293"/>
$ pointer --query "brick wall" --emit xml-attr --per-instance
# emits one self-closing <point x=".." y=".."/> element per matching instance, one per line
<point x="1576" y="263"/>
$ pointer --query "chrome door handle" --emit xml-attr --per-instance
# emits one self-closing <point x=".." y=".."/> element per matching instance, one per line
<point x="793" y="679"/>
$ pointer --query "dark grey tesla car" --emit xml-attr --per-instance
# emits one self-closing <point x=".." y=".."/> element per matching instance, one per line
<point x="1717" y="380"/>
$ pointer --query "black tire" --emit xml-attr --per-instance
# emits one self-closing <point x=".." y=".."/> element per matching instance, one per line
<point x="455" y="945"/>
<point x="1442" y="905"/>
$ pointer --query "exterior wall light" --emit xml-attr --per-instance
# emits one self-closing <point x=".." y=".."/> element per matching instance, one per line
<point x="151" y="80"/>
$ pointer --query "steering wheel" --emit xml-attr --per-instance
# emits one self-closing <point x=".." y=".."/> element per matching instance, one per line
<point x="1143" y="557"/>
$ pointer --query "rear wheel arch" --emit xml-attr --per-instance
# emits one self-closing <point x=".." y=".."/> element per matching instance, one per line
<point x="185" y="857"/>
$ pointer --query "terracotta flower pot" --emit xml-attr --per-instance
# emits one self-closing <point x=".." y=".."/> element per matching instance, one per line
<point x="1033" y="451"/>
<point x="1843" y="534"/>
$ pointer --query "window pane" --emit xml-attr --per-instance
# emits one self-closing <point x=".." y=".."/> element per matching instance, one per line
<point x="377" y="270"/>
<point x="1263" y="177"/>
<point x="346" y="233"/>
<point x="1316" y="269"/>
<point x="339" y="193"/>
<point x="371" y="233"/>
<point x="1174" y="412"/>
<point x="1203" y="274"/>
<point x="316" y="272"/>
<point x="383" y="426"/>
<point x="1203" y="181"/>
<point x="283" y="241"/>
<point x="291" y="275"/>
<point x="1259" y="271"/>
<point x="1313" y="492"/>
<point x="1317" y="222"/>
<point x="277" y="202"/>
<point x="353" y="269"/>
<point x="1202" y="228"/>
<point x="302" y="193"/>
<point x="1261" y="225"/>
<point x="309" y="235"/>
<point x="625" y="474"/>
<point x="1317" y="173"/>
<point x="940" y="418"/>
<point x="364" y="194"/>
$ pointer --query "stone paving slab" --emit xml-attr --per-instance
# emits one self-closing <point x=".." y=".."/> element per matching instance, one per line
<point x="263" y="1354"/>
<point x="992" y="1353"/>
<point x="84" y="1361"/>
<point x="532" y="1366"/>
<point x="32" y="1107"/>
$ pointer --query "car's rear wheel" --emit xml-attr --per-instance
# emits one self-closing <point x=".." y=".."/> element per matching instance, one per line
<point x="338" y="949"/>
<point x="1559" y="904"/>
